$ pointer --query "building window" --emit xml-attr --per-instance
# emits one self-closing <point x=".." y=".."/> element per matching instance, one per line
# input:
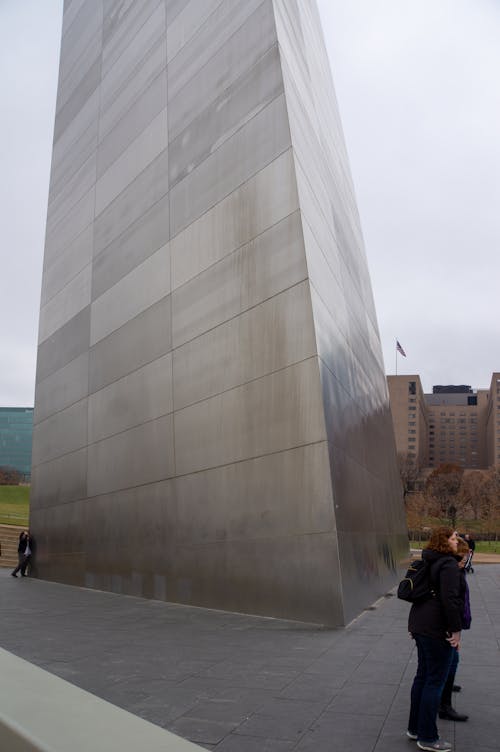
<point x="412" y="387"/>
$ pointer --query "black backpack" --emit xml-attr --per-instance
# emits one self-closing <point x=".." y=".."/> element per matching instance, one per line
<point x="417" y="585"/>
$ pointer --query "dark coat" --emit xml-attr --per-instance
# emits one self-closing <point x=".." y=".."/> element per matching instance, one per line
<point x="23" y="542"/>
<point x="441" y="615"/>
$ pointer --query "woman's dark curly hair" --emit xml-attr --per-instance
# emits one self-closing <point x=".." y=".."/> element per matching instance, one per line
<point x="439" y="540"/>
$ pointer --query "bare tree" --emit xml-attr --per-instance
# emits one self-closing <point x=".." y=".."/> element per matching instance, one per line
<point x="490" y="501"/>
<point x="473" y="489"/>
<point x="443" y="484"/>
<point x="416" y="511"/>
<point x="408" y="472"/>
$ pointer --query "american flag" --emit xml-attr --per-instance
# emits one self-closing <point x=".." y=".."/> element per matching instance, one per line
<point x="400" y="349"/>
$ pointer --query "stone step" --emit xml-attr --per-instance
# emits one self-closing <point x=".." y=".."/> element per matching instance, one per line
<point x="9" y="540"/>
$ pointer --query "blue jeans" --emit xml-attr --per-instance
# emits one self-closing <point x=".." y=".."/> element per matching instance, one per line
<point x="450" y="681"/>
<point x="434" y="660"/>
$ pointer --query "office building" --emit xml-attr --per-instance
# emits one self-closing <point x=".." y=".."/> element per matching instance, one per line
<point x="16" y="433"/>
<point x="492" y="421"/>
<point x="455" y="424"/>
<point x="410" y="417"/>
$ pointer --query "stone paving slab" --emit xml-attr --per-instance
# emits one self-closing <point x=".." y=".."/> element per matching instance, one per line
<point x="237" y="683"/>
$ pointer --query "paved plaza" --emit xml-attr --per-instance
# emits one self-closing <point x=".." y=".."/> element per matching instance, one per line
<point x="238" y="683"/>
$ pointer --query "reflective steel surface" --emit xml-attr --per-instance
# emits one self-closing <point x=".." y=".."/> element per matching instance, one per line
<point x="212" y="422"/>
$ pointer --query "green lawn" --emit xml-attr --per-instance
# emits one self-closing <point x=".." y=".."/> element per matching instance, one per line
<point x="14" y="505"/>
<point x="488" y="547"/>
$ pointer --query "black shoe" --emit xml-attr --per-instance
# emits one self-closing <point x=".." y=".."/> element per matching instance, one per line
<point x="456" y="688"/>
<point x="13" y="574"/>
<point x="450" y="714"/>
<point x="23" y="575"/>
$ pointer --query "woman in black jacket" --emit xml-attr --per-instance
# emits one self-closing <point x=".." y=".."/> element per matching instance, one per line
<point x="435" y="625"/>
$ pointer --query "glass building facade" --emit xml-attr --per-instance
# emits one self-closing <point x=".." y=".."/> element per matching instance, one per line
<point x="16" y="433"/>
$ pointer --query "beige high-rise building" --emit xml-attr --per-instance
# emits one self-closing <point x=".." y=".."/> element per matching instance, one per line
<point x="492" y="421"/>
<point x="455" y="424"/>
<point x="409" y="417"/>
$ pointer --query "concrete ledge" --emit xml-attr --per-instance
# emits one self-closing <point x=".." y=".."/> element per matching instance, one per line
<point x="41" y="713"/>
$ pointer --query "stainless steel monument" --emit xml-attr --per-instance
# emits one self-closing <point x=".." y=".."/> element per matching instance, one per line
<point x="212" y="423"/>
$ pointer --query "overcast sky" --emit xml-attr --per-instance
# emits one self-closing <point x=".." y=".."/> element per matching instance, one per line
<point x="417" y="86"/>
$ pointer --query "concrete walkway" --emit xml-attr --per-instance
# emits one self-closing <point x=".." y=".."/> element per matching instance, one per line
<point x="247" y="684"/>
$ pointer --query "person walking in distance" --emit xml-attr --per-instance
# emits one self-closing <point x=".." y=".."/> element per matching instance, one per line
<point x="470" y="542"/>
<point x="435" y="624"/>
<point x="24" y="552"/>
<point x="472" y="547"/>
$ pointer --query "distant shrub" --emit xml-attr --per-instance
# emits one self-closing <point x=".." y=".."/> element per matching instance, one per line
<point x="9" y="476"/>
